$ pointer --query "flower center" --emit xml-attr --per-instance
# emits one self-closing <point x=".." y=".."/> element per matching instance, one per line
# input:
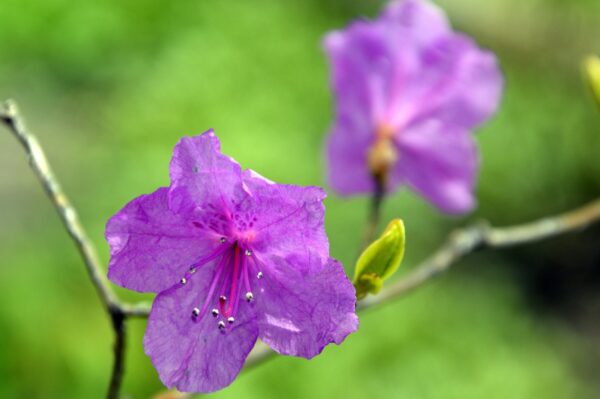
<point x="230" y="282"/>
<point x="382" y="154"/>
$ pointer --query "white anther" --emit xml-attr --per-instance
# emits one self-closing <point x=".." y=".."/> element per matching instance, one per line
<point x="259" y="275"/>
<point x="248" y="252"/>
<point x="183" y="280"/>
<point x="230" y="320"/>
<point x="215" y="312"/>
<point x="195" y="312"/>
<point x="221" y="325"/>
<point x="222" y="298"/>
<point x="249" y="296"/>
<point x="223" y="240"/>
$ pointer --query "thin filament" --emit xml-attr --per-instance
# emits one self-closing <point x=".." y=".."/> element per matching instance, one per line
<point x="213" y="284"/>
<point x="236" y="303"/>
<point x="233" y="293"/>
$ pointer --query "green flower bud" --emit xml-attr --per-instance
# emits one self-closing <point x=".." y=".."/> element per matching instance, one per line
<point x="591" y="67"/>
<point x="380" y="260"/>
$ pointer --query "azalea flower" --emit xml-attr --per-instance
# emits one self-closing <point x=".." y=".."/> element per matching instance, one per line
<point x="408" y="93"/>
<point x="233" y="257"/>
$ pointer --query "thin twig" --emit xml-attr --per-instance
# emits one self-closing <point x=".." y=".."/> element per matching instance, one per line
<point x="10" y="117"/>
<point x="482" y="236"/>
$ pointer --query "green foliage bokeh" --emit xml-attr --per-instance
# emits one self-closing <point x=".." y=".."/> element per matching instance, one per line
<point x="109" y="87"/>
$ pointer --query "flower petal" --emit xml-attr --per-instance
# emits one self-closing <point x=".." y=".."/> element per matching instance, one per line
<point x="303" y="308"/>
<point x="150" y="246"/>
<point x="360" y="73"/>
<point x="440" y="164"/>
<point x="374" y="63"/>
<point x="287" y="220"/>
<point x="195" y="356"/>
<point x="348" y="172"/>
<point x="209" y="177"/>
<point x="360" y="77"/>
<point x="417" y="21"/>
<point x="457" y="83"/>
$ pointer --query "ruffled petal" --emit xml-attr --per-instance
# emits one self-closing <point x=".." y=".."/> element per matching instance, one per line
<point x="361" y="72"/>
<point x="374" y="63"/>
<point x="417" y="21"/>
<point x="150" y="246"/>
<point x="360" y="76"/>
<point x="195" y="356"/>
<point x="301" y="308"/>
<point x="285" y="220"/>
<point x="348" y="171"/>
<point x="457" y="83"/>
<point x="440" y="164"/>
<point x="208" y="177"/>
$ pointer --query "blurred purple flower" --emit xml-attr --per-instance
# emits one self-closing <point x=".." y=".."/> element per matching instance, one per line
<point x="234" y="257"/>
<point x="409" y="91"/>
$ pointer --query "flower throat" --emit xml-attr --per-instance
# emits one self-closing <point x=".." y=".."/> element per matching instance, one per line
<point x="231" y="279"/>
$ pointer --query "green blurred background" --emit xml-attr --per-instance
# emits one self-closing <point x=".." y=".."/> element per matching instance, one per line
<point x="109" y="86"/>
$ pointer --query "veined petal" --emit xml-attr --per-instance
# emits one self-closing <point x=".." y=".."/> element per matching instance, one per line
<point x="457" y="83"/>
<point x="196" y="356"/>
<point x="287" y="220"/>
<point x="361" y="73"/>
<point x="348" y="172"/>
<point x="440" y="164"/>
<point x="417" y="21"/>
<point x="208" y="177"/>
<point x="301" y="308"/>
<point x="150" y="246"/>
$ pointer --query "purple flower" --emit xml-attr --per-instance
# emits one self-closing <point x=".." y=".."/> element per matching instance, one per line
<point x="408" y="92"/>
<point x="234" y="257"/>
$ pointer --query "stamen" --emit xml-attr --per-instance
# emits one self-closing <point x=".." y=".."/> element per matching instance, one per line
<point x="259" y="275"/>
<point x="231" y="278"/>
<point x="213" y="284"/>
<point x="223" y="240"/>
<point x="246" y="271"/>
<point x="234" y="292"/>
<point x="222" y="300"/>
<point x="218" y="251"/>
<point x="236" y="303"/>
<point x="183" y="281"/>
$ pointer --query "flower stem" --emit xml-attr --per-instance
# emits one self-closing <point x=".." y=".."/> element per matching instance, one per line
<point x="375" y="211"/>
